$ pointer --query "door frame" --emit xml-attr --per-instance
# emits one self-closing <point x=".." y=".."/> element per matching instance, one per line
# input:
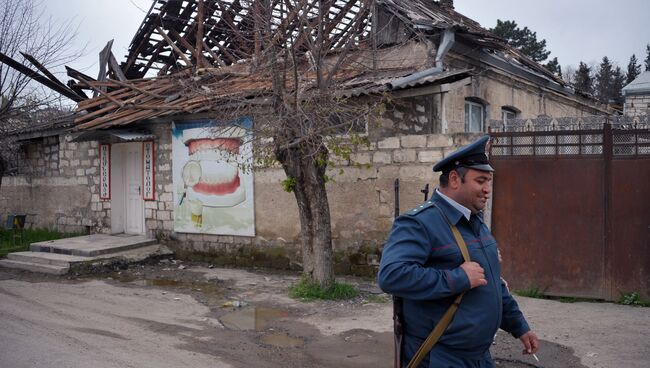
<point x="119" y="195"/>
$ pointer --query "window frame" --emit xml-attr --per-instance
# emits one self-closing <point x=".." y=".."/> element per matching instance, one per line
<point x="507" y="111"/>
<point x="468" y="116"/>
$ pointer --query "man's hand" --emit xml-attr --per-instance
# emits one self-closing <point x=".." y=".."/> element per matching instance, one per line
<point x="531" y="344"/>
<point x="475" y="274"/>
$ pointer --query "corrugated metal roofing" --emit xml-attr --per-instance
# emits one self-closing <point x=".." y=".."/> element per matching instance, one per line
<point x="638" y="86"/>
<point x="115" y="136"/>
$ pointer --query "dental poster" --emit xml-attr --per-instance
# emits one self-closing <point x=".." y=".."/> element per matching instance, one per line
<point x="213" y="183"/>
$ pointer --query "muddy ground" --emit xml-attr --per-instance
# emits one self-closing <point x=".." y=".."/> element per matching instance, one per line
<point x="244" y="318"/>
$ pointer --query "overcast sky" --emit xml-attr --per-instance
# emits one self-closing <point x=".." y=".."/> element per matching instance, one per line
<point x="575" y="30"/>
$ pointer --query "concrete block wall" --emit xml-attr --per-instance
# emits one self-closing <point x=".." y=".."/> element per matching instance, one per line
<point x="361" y="197"/>
<point x="61" y="191"/>
<point x="637" y="105"/>
<point x="40" y="158"/>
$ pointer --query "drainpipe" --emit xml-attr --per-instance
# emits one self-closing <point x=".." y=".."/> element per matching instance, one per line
<point x="448" y="38"/>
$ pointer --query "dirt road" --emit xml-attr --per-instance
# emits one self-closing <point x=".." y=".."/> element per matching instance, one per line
<point x="175" y="314"/>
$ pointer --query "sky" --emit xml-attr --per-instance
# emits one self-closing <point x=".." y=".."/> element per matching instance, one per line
<point x="575" y="30"/>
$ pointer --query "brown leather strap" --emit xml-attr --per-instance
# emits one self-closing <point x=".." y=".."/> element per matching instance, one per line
<point x="444" y="322"/>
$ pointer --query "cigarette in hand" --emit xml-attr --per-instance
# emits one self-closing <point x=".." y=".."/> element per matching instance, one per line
<point x="536" y="358"/>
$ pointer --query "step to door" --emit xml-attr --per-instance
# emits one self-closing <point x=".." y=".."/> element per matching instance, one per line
<point x="63" y="260"/>
<point x="34" y="267"/>
<point x="92" y="245"/>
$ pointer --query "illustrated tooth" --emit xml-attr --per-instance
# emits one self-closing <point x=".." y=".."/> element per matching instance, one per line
<point x="214" y="174"/>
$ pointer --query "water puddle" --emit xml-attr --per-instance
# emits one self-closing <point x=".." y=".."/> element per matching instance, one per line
<point x="252" y="318"/>
<point x="210" y="292"/>
<point x="282" y="341"/>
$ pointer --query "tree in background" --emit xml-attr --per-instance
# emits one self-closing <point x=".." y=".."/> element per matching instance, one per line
<point x="604" y="77"/>
<point x="633" y="70"/>
<point x="609" y="82"/>
<point x="23" y="29"/>
<point x="647" y="57"/>
<point x="524" y="39"/>
<point x="582" y="80"/>
<point x="618" y="82"/>
<point x="554" y="67"/>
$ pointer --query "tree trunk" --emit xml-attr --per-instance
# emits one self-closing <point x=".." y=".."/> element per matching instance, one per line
<point x="2" y="170"/>
<point x="301" y="164"/>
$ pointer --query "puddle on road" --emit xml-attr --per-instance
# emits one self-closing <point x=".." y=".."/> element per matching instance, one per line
<point x="282" y="341"/>
<point x="211" y="292"/>
<point x="258" y="319"/>
<point x="205" y="287"/>
<point x="252" y="318"/>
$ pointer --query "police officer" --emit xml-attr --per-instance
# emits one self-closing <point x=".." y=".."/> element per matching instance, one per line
<point x="423" y="264"/>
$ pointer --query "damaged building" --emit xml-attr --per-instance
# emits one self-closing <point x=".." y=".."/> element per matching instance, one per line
<point x="135" y="157"/>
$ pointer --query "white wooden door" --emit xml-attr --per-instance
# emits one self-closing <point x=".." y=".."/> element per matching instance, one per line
<point x="133" y="187"/>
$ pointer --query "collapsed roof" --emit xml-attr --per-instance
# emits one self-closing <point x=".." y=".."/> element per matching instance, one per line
<point x="174" y="65"/>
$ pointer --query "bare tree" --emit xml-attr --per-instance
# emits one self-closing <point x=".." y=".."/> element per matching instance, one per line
<point x="305" y="48"/>
<point x="283" y="63"/>
<point x="26" y="33"/>
<point x="309" y="111"/>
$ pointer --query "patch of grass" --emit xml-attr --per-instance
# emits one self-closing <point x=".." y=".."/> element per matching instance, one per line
<point x="633" y="298"/>
<point x="531" y="292"/>
<point x="568" y="299"/>
<point x="29" y="236"/>
<point x="377" y="298"/>
<point x="309" y="290"/>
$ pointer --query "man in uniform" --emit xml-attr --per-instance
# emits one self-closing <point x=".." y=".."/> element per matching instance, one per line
<point x="423" y="264"/>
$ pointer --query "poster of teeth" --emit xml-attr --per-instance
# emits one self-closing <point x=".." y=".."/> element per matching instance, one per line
<point x="213" y="183"/>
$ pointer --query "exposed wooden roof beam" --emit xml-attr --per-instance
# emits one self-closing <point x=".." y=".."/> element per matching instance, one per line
<point x="171" y="43"/>
<point x="62" y="89"/>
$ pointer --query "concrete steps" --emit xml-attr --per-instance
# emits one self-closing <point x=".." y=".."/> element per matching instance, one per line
<point x="57" y="256"/>
<point x="35" y="267"/>
<point x="53" y="259"/>
<point x="92" y="245"/>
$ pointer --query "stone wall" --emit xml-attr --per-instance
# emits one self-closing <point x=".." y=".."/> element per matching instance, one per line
<point x="59" y="191"/>
<point x="637" y="105"/>
<point x="39" y="158"/>
<point x="496" y="91"/>
<point x="361" y="198"/>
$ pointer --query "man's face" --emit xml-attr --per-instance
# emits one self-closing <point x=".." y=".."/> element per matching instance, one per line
<point x="475" y="191"/>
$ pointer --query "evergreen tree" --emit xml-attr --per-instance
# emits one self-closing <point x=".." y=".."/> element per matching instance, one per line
<point x="647" y="58"/>
<point x="633" y="70"/>
<point x="524" y="39"/>
<point x="618" y="82"/>
<point x="582" y="81"/>
<point x="554" y="67"/>
<point x="605" y="81"/>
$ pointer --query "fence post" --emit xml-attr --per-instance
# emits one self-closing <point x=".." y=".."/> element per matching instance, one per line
<point x="396" y="197"/>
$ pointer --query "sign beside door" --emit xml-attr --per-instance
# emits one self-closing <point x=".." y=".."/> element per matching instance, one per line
<point x="105" y="171"/>
<point x="147" y="171"/>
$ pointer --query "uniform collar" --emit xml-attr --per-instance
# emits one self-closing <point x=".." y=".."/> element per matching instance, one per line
<point x="446" y="204"/>
<point x="454" y="210"/>
<point x="464" y="211"/>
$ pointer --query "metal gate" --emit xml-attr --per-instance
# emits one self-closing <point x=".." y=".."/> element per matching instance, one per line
<point x="571" y="207"/>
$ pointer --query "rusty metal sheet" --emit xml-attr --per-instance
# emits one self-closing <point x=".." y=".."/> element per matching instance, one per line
<point x="549" y="220"/>
<point x="630" y="227"/>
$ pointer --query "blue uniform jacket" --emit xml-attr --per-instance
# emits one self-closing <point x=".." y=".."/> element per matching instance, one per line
<point x="421" y="263"/>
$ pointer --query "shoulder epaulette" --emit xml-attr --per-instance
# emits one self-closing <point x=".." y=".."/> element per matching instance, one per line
<point x="422" y="206"/>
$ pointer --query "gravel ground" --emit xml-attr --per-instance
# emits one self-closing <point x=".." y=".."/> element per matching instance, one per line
<point x="173" y="313"/>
